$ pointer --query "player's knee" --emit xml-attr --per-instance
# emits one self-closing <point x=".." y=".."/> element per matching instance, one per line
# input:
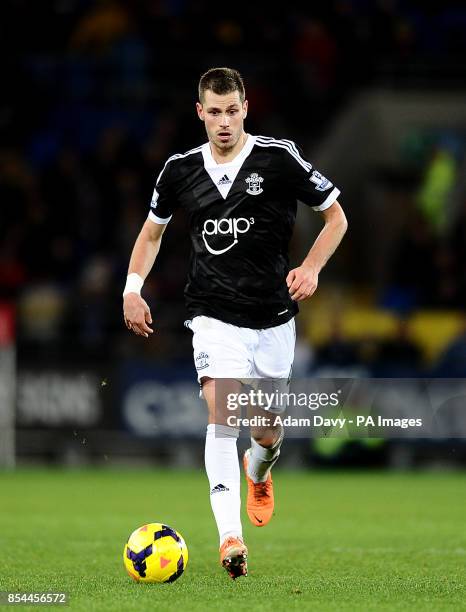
<point x="213" y="396"/>
<point x="266" y="438"/>
<point x="208" y="393"/>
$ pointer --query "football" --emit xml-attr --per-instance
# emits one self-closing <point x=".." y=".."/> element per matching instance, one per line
<point x="155" y="553"/>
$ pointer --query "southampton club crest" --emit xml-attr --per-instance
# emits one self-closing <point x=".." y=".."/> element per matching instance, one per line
<point x="202" y="361"/>
<point x="254" y="182"/>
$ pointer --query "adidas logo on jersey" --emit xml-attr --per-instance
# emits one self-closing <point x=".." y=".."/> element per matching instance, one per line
<point x="219" y="488"/>
<point x="224" y="180"/>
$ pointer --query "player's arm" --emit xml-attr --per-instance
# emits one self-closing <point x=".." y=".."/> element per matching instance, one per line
<point x="302" y="281"/>
<point x="136" y="312"/>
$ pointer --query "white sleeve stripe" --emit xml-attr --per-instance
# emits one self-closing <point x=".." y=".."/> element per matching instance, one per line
<point x="285" y="145"/>
<point x="288" y="142"/>
<point x="178" y="156"/>
<point x="299" y="159"/>
<point x="161" y="172"/>
<point x="330" y="199"/>
<point x="155" y="195"/>
<point x="158" y="220"/>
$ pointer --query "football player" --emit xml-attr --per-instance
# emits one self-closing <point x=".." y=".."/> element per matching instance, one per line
<point x="240" y="192"/>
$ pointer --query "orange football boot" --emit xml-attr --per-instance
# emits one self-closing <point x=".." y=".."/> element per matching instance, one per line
<point x="234" y="557"/>
<point x="260" y="497"/>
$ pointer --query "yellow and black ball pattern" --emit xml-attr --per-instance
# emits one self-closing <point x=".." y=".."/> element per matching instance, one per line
<point x="155" y="553"/>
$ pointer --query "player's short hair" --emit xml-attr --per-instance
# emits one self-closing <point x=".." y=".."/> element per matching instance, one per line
<point x="222" y="81"/>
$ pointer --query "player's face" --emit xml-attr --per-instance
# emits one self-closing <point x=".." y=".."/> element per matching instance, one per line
<point x="223" y="117"/>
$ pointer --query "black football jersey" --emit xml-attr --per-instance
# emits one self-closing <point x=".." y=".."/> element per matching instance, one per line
<point x="241" y="217"/>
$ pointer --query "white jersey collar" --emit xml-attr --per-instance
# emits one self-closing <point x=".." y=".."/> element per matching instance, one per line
<point x="223" y="175"/>
<point x="209" y="161"/>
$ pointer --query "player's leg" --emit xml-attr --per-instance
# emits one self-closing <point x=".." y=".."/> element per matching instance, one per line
<point x="264" y="451"/>
<point x="222" y="467"/>
<point x="258" y="461"/>
<point x="219" y="350"/>
<point x="221" y="461"/>
<point x="272" y="362"/>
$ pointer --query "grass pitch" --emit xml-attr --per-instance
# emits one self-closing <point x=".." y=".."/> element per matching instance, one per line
<point x="338" y="541"/>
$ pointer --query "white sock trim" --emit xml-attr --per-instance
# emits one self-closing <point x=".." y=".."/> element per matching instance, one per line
<point x="222" y="431"/>
<point x="262" y="459"/>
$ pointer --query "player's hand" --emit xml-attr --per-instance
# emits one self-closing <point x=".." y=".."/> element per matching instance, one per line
<point x="302" y="282"/>
<point x="137" y="315"/>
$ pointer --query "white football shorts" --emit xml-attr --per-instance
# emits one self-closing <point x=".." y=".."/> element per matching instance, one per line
<point x="222" y="350"/>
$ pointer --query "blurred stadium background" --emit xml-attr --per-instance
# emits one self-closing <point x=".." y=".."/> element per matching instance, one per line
<point x="96" y="96"/>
